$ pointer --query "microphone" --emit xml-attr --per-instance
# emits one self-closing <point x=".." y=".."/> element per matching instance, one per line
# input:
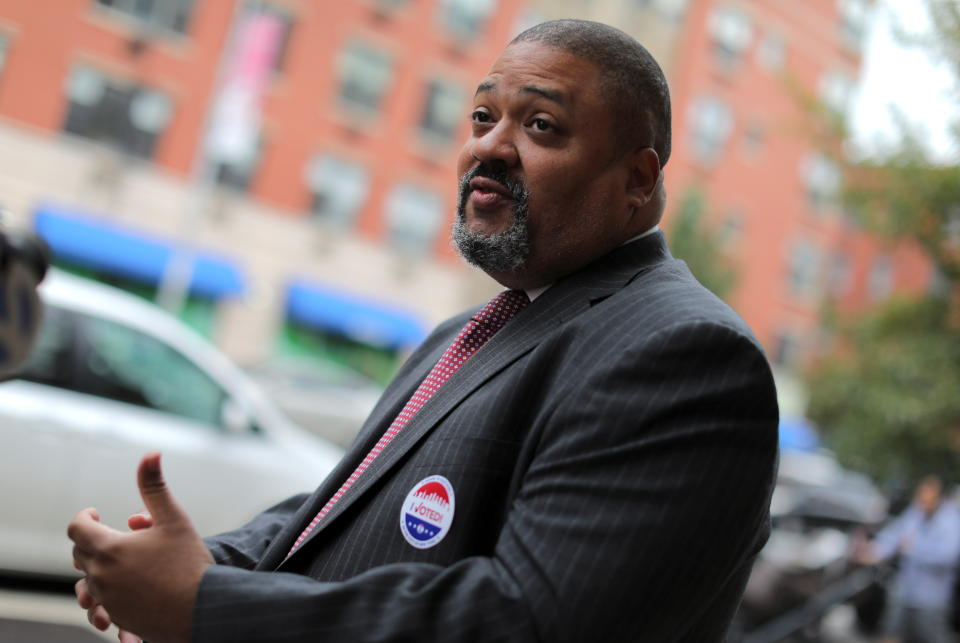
<point x="24" y="260"/>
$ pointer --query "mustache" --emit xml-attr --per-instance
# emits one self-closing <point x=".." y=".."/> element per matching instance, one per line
<point x="516" y="187"/>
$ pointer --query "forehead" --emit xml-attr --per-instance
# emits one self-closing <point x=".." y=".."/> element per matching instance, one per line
<point x="537" y="69"/>
<point x="930" y="486"/>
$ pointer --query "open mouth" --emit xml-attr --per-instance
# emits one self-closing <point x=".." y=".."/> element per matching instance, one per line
<point x="488" y="193"/>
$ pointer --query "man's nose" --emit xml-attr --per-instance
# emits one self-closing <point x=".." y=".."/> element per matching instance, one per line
<point x="496" y="145"/>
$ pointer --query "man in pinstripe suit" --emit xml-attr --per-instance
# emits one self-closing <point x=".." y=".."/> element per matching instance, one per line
<point x="599" y="470"/>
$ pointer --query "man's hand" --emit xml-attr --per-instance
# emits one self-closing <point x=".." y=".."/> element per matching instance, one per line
<point x="96" y="614"/>
<point x="145" y="581"/>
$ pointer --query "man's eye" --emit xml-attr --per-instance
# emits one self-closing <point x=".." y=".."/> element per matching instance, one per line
<point x="541" y="125"/>
<point x="480" y="116"/>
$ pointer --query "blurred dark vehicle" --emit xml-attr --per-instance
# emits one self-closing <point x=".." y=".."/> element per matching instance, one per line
<point x="818" y="508"/>
<point x="326" y="398"/>
<point x="111" y="377"/>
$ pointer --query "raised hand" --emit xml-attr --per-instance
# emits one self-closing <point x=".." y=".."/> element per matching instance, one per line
<point x="144" y="581"/>
<point x="96" y="614"/>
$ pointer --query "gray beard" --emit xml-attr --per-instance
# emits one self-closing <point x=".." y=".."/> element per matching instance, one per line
<point x="503" y="251"/>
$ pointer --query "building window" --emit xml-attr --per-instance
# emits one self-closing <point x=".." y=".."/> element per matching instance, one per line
<point x="172" y="15"/>
<point x="669" y="9"/>
<point x="803" y="267"/>
<point x="753" y="139"/>
<point x="712" y="122"/>
<point x="786" y="350"/>
<point x="414" y="217"/>
<point x="391" y="4"/>
<point x="125" y="116"/>
<point x="772" y="52"/>
<point x="853" y="23"/>
<point x="672" y="9"/>
<point x="4" y="47"/>
<point x="339" y="189"/>
<point x="836" y="90"/>
<point x="730" y="231"/>
<point x="365" y="74"/>
<point x="880" y="280"/>
<point x="442" y="111"/>
<point x="730" y="33"/>
<point x="465" y="18"/>
<point x="821" y="177"/>
<point x="840" y="278"/>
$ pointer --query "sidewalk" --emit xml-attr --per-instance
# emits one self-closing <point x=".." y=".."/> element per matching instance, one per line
<point x="38" y="617"/>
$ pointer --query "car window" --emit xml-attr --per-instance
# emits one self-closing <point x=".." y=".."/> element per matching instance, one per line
<point x="50" y="358"/>
<point x="124" y="364"/>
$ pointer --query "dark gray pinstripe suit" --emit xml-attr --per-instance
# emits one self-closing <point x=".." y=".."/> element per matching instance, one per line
<point x="612" y="451"/>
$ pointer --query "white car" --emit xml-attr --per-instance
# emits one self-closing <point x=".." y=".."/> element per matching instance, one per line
<point x="327" y="399"/>
<point x="110" y="378"/>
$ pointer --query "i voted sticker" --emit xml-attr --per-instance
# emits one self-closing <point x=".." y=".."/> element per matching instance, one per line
<point x="427" y="512"/>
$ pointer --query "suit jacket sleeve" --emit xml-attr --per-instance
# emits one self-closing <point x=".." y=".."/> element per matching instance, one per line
<point x="637" y="517"/>
<point x="243" y="547"/>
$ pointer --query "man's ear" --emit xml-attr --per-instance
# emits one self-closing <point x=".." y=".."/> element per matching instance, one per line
<point x="644" y="177"/>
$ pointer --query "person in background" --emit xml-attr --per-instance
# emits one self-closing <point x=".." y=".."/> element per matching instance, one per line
<point x="925" y="539"/>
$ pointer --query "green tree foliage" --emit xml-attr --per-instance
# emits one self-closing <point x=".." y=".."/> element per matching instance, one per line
<point x="890" y="406"/>
<point x="695" y="241"/>
<point x="888" y="400"/>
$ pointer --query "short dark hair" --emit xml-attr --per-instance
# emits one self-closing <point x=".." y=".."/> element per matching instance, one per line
<point x="630" y="77"/>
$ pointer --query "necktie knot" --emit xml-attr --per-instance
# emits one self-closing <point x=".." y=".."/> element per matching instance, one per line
<point x="499" y="310"/>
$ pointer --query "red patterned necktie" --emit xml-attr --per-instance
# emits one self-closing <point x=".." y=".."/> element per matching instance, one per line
<point x="481" y="327"/>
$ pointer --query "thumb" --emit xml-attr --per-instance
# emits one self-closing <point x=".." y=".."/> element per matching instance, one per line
<point x="153" y="489"/>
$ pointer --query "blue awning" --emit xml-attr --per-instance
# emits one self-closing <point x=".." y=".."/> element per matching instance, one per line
<point x="363" y="320"/>
<point x="89" y="241"/>
<point x="797" y="434"/>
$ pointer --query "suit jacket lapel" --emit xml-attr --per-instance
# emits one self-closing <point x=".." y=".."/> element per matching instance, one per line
<point x="560" y="303"/>
<point x="502" y="349"/>
<point x="386" y="409"/>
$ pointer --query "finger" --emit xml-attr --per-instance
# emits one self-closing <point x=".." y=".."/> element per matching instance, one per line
<point x="99" y="618"/>
<point x="84" y="598"/>
<point x="156" y="496"/>
<point x="82" y="560"/>
<point x="127" y="637"/>
<point x="140" y="520"/>
<point x="76" y="559"/>
<point x="86" y="531"/>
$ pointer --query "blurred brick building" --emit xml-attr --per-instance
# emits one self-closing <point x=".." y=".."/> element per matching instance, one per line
<point x="740" y="72"/>
<point x="327" y="233"/>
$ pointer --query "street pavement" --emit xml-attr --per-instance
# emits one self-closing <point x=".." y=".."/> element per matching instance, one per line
<point x="29" y="614"/>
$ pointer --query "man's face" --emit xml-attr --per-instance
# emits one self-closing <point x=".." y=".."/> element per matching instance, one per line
<point x="543" y="188"/>
<point x="928" y="496"/>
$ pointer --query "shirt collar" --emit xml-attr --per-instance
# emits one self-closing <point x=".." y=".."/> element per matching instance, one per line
<point x="533" y="293"/>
